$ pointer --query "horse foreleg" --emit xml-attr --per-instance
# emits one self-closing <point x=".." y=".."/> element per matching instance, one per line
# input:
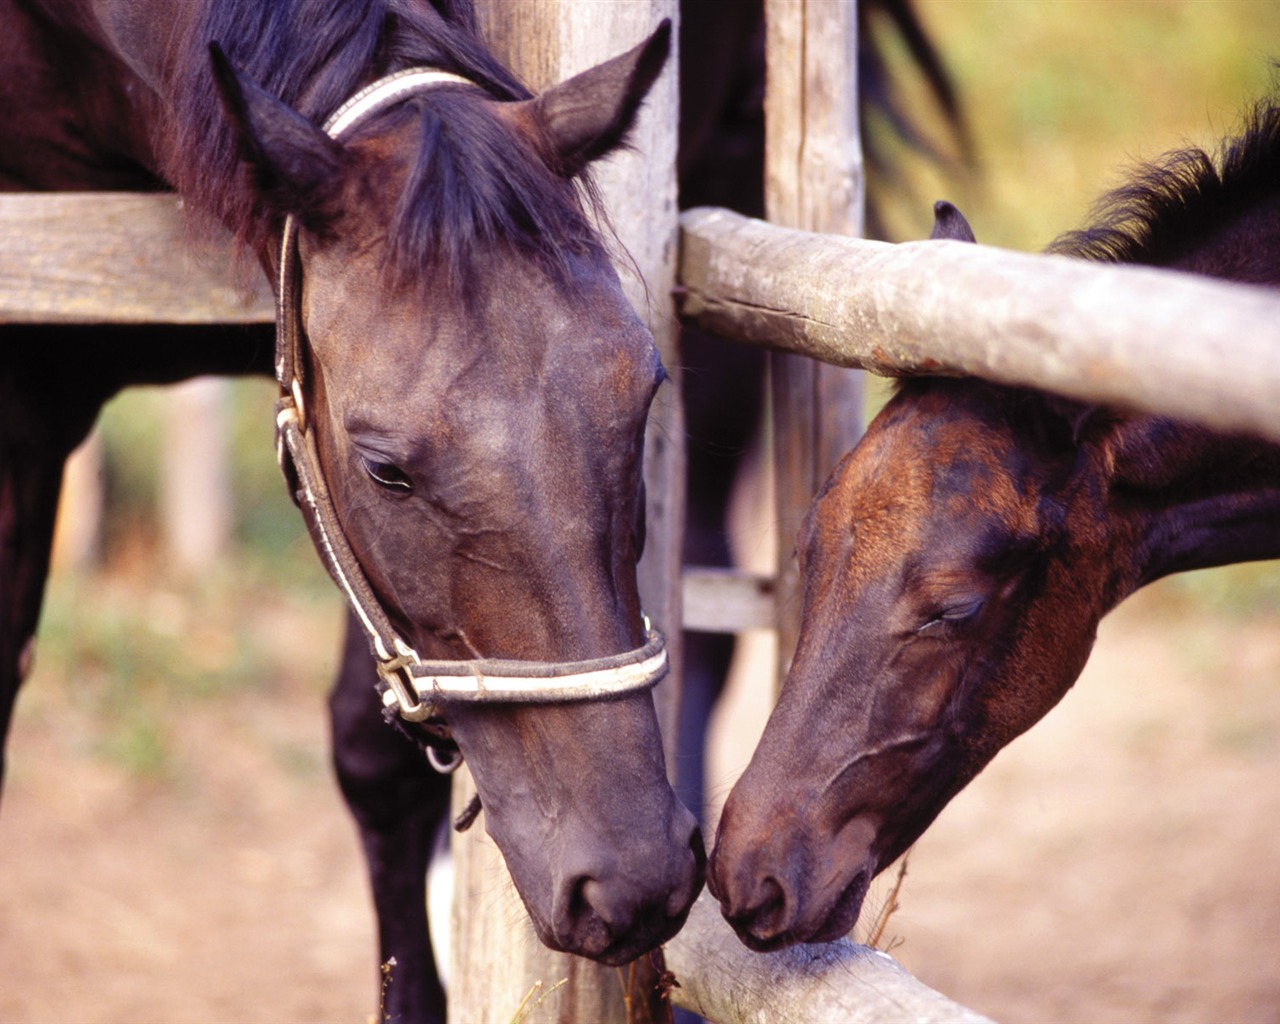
<point x="36" y="434"/>
<point x="28" y="502"/>
<point x="398" y="801"/>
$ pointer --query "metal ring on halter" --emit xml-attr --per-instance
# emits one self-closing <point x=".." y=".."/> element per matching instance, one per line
<point x="440" y="764"/>
<point x="400" y="689"/>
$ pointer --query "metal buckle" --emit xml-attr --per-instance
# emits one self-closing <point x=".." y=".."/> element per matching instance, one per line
<point x="394" y="671"/>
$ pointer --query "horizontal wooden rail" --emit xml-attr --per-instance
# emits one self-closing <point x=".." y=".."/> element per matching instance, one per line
<point x="1136" y="337"/>
<point x="128" y="258"/>
<point x="727" y="600"/>
<point x="119" y="258"/>
<point x="719" y="978"/>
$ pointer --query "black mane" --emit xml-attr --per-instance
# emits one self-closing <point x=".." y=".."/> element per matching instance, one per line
<point x="473" y="183"/>
<point x="1174" y="206"/>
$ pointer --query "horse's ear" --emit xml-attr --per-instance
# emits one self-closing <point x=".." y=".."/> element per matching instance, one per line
<point x="949" y="222"/>
<point x="589" y="115"/>
<point x="296" y="165"/>
<point x="1080" y="423"/>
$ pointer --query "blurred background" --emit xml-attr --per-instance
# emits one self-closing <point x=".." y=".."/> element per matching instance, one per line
<point x="170" y="830"/>
<point x="1120" y="861"/>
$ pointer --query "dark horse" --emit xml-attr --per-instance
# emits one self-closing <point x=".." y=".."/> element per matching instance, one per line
<point x="468" y="378"/>
<point x="959" y="559"/>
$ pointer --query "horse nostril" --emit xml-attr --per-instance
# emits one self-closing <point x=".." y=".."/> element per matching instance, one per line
<point x="682" y="896"/>
<point x="762" y="915"/>
<point x="769" y="907"/>
<point x="586" y="917"/>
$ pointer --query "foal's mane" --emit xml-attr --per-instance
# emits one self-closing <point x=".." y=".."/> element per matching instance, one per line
<point x="1172" y="206"/>
<point x="471" y="184"/>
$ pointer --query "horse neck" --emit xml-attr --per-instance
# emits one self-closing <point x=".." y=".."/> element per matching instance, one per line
<point x="144" y="33"/>
<point x="1193" y="499"/>
<point x="1185" y="498"/>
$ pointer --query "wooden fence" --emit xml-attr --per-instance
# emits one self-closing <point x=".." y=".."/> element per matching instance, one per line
<point x="1148" y="339"/>
<point x="1144" y="338"/>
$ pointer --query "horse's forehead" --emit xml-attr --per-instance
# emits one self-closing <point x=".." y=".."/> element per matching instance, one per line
<point x="516" y="314"/>
<point x="413" y="377"/>
<point x="918" y="487"/>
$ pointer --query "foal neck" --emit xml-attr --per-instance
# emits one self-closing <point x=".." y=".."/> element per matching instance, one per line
<point x="1192" y="499"/>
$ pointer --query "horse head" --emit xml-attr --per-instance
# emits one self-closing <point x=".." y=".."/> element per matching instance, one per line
<point x="954" y="579"/>
<point x="956" y="565"/>
<point x="477" y="386"/>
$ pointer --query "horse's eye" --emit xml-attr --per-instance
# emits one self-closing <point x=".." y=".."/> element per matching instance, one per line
<point x="387" y="476"/>
<point x="947" y="618"/>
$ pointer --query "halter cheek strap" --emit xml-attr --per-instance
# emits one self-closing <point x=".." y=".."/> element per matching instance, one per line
<point x="410" y="686"/>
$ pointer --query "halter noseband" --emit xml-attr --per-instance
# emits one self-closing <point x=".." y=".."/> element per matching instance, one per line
<point x="409" y="685"/>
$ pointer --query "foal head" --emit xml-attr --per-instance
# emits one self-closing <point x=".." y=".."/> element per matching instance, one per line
<point x="959" y="559"/>
<point x="956" y="566"/>
<point x="478" y="386"/>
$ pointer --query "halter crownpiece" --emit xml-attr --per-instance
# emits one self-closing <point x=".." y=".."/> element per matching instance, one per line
<point x="410" y="686"/>
<point x="370" y="100"/>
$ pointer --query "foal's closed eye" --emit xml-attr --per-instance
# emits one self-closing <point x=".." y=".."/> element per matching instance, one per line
<point x="950" y="617"/>
<point x="387" y="476"/>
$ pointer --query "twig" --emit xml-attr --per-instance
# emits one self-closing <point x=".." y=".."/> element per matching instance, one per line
<point x="388" y="969"/>
<point x="890" y="904"/>
<point x="525" y="1008"/>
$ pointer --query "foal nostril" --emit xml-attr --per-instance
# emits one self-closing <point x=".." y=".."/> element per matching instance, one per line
<point x="765" y="915"/>
<point x="761" y="912"/>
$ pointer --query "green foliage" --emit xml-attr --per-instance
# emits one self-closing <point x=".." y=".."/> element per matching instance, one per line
<point x="136" y="644"/>
<point x="134" y="652"/>
<point x="1248" y="590"/>
<point x="1062" y="95"/>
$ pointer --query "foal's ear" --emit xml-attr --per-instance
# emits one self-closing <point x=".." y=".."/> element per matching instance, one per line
<point x="589" y="115"/>
<point x="297" y="166"/>
<point x="1084" y="423"/>
<point x="949" y="222"/>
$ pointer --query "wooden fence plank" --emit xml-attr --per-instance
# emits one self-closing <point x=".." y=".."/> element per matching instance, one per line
<point x="1135" y="337"/>
<point x="99" y="257"/>
<point x="813" y="180"/>
<point x="724" y="981"/>
<point x="728" y="600"/>
<point x="496" y="960"/>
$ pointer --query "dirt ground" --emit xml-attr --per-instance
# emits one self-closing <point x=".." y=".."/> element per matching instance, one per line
<point x="1119" y="863"/>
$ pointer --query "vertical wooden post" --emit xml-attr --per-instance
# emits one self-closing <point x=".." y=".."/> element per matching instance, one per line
<point x="813" y="181"/>
<point x="77" y="537"/>
<point x="195" y="481"/>
<point x="495" y="960"/>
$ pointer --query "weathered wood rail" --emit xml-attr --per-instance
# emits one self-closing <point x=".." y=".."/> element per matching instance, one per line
<point x="723" y="981"/>
<point x="116" y="258"/>
<point x="1149" y="339"/>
